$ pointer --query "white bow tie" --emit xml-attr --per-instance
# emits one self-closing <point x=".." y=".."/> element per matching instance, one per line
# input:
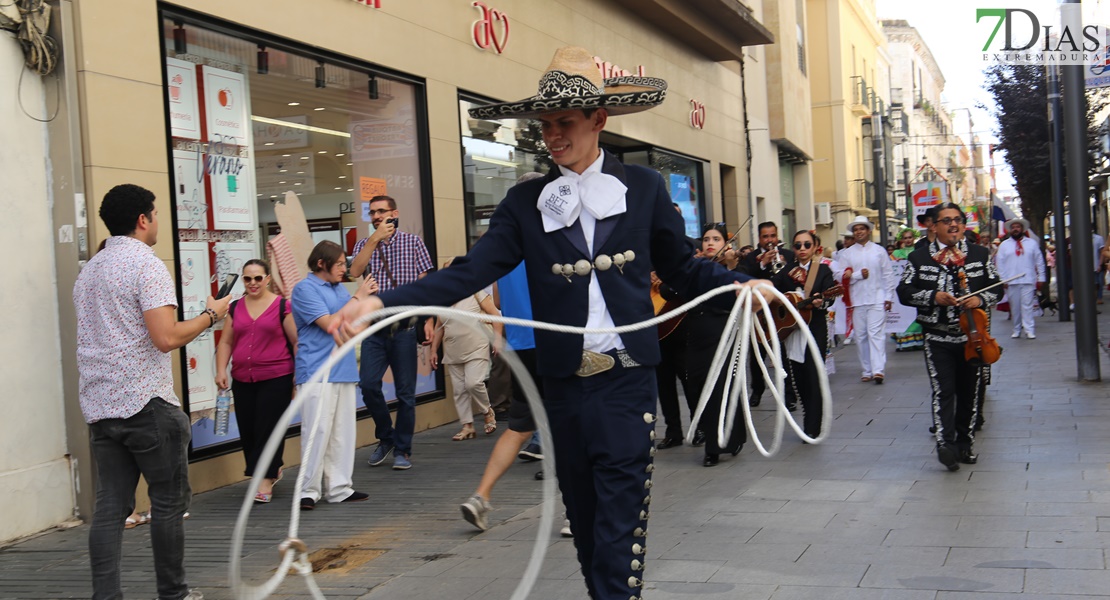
<point x="562" y="200"/>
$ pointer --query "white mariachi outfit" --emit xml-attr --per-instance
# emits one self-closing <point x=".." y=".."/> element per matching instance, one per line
<point x="867" y="298"/>
<point x="1021" y="258"/>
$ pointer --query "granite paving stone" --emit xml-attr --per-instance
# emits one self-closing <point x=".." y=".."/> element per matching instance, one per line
<point x="868" y="515"/>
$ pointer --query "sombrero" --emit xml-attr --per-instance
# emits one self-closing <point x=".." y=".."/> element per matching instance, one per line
<point x="860" y="220"/>
<point x="572" y="81"/>
<point x="1024" y="223"/>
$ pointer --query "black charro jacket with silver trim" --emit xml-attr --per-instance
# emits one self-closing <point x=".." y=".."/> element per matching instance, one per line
<point x="924" y="277"/>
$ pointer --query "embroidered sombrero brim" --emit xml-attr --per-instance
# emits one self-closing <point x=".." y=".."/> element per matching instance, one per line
<point x="622" y="96"/>
<point x="573" y="82"/>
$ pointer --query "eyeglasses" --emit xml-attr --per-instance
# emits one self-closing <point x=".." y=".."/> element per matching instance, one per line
<point x="255" y="279"/>
<point x="380" y="211"/>
<point x="950" y="220"/>
<point x="800" y="245"/>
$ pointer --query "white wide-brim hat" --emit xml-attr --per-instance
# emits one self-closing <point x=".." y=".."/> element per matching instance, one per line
<point x="573" y="82"/>
<point x="1024" y="223"/>
<point x="860" y="220"/>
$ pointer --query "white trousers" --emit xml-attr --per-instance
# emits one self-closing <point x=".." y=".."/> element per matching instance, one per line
<point x="1023" y="301"/>
<point x="468" y="382"/>
<point x="329" y="414"/>
<point x="869" y="331"/>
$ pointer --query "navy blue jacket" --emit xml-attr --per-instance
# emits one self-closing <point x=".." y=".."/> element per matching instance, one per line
<point x="649" y="227"/>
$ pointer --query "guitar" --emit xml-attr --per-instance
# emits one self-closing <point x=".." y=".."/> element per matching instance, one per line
<point x="785" y="322"/>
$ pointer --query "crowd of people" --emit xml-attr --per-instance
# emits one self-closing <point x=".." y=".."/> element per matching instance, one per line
<point x="585" y="245"/>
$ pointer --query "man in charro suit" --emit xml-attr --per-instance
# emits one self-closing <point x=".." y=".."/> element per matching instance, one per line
<point x="932" y="283"/>
<point x="590" y="233"/>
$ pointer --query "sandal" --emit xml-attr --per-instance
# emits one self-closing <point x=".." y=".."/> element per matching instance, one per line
<point x="131" y="522"/>
<point x="465" y="434"/>
<point x="865" y="379"/>
<point x="261" y="498"/>
<point x="878" y="378"/>
<point x="491" y="422"/>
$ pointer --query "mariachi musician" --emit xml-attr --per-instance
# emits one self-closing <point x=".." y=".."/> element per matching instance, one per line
<point x="590" y="232"/>
<point x="942" y="280"/>
<point x="767" y="260"/>
<point x="694" y="342"/>
<point x="806" y="274"/>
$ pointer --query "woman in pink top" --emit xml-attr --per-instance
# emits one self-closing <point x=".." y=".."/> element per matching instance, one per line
<point x="259" y="338"/>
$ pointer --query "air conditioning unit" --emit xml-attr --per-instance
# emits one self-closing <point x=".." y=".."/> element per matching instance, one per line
<point x="824" y="213"/>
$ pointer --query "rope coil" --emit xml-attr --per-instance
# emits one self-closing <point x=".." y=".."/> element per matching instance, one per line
<point x="732" y="351"/>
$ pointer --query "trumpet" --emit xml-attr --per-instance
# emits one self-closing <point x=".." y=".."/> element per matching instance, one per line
<point x="778" y="263"/>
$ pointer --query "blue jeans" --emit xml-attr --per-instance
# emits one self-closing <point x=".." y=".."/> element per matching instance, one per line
<point x="397" y="351"/>
<point x="154" y="442"/>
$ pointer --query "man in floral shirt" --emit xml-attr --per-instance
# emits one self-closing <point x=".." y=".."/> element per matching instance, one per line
<point x="126" y="326"/>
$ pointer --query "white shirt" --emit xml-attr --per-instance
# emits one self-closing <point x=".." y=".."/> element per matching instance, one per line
<point x="880" y="283"/>
<point x="1030" y="265"/>
<point x="795" y="342"/>
<point x="598" y="316"/>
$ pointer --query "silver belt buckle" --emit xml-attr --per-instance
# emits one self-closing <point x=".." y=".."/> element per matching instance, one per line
<point x="594" y="363"/>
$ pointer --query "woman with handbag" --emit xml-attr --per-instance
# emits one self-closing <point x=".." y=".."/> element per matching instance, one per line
<point x="466" y="353"/>
<point x="259" y="338"/>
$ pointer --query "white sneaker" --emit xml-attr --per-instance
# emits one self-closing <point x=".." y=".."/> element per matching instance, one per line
<point x="565" y="531"/>
<point x="1030" y="336"/>
<point x="1015" y="335"/>
<point x="475" y="511"/>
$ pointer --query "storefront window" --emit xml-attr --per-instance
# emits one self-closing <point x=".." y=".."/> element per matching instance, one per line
<point x="495" y="154"/>
<point x="684" y="182"/>
<point x="251" y="123"/>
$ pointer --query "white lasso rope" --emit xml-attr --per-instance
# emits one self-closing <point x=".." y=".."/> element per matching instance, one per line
<point x="737" y="335"/>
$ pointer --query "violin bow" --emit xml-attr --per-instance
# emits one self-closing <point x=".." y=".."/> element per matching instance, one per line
<point x="735" y="236"/>
<point x="1004" y="281"/>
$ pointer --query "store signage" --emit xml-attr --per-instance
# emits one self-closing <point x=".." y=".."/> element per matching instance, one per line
<point x="697" y="114"/>
<point x="181" y="91"/>
<point x="274" y="136"/>
<point x="609" y="70"/>
<point x="369" y="187"/>
<point x="484" y="31"/>
<point x="228" y="129"/>
<point x="195" y="287"/>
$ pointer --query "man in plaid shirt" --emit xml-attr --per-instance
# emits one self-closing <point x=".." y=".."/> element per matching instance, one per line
<point x="393" y="258"/>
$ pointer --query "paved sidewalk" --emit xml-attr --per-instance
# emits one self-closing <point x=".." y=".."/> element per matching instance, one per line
<point x="868" y="514"/>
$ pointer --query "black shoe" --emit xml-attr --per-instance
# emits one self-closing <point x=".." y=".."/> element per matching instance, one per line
<point x="792" y="407"/>
<point x="946" y="454"/>
<point x="965" y="456"/>
<point x="737" y="449"/>
<point x="754" y="400"/>
<point x="308" y="504"/>
<point x="669" y="442"/>
<point x="539" y="475"/>
<point x="711" y="460"/>
<point x="530" y="453"/>
<point x="978" y="424"/>
<point x="932" y="429"/>
<point x="355" y="497"/>
<point x="699" y="439"/>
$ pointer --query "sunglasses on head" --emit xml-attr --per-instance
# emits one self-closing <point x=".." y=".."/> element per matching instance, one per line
<point x="800" y="245"/>
<point x="255" y="279"/>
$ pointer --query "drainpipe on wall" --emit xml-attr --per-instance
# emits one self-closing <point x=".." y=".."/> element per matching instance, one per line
<point x="748" y="151"/>
<point x="66" y="186"/>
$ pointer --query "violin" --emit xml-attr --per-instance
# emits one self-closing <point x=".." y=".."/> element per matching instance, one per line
<point x="980" y="348"/>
